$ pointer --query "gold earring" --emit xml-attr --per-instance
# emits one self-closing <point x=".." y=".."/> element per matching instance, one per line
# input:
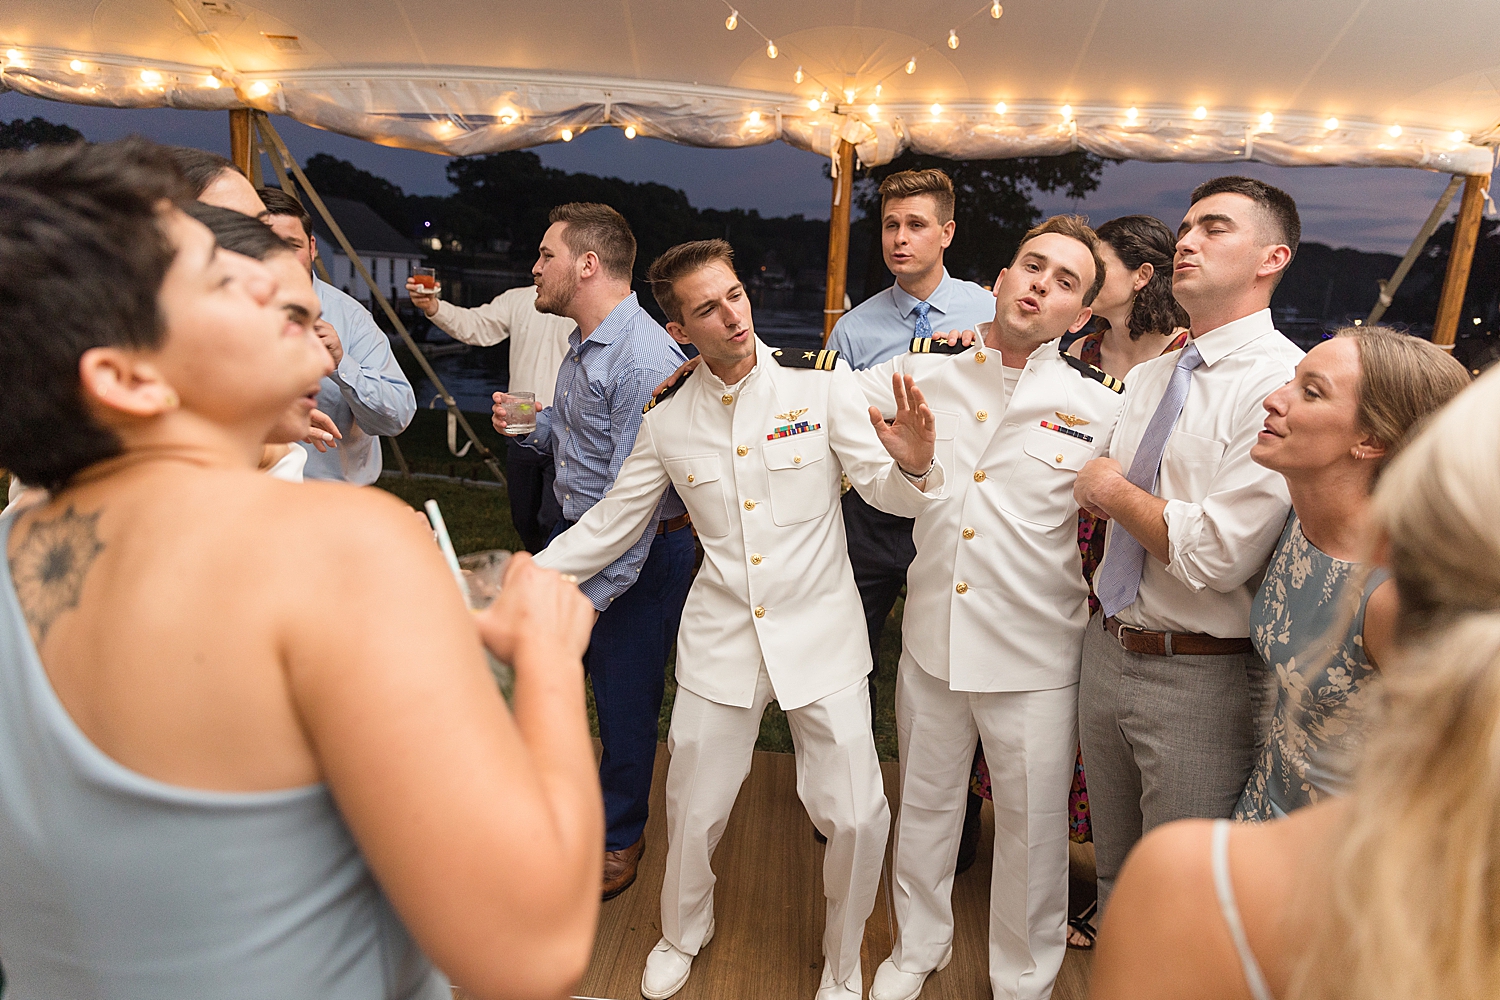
<point x="171" y="399"/>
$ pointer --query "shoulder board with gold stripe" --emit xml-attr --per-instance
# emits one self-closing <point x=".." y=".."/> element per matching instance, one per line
<point x="657" y="397"/>
<point x="936" y="345"/>
<point x="822" y="361"/>
<point x="1087" y="370"/>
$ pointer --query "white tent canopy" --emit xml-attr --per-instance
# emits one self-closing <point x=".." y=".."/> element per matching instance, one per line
<point x="1338" y="82"/>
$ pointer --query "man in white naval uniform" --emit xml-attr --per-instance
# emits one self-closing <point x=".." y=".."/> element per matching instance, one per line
<point x="996" y="609"/>
<point x="755" y="440"/>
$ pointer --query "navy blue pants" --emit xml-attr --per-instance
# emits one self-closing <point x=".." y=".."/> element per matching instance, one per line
<point x="533" y="502"/>
<point x="626" y="663"/>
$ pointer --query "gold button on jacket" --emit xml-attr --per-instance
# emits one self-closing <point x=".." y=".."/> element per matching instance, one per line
<point x="978" y="475"/>
<point x="755" y="559"/>
<point x="962" y="588"/>
<point x="749" y="504"/>
<point x="742" y="451"/>
<point x="726" y="399"/>
<point x="760" y="612"/>
<point x="982" y="415"/>
<point x="968" y="532"/>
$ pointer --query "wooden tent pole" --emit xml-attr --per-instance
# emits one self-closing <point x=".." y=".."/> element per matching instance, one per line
<point x="1465" y="236"/>
<point x="241" y="140"/>
<point x="838" y="239"/>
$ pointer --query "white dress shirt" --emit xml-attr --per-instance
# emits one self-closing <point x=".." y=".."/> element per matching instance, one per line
<point x="538" y="341"/>
<point x="775" y="585"/>
<point x="995" y="599"/>
<point x="1224" y="513"/>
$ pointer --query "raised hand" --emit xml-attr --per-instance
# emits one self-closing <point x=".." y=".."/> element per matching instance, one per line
<point x="682" y="370"/>
<point x="324" y="433"/>
<point x="424" y="298"/>
<point x="912" y="437"/>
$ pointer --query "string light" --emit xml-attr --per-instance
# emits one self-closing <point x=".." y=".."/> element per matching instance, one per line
<point x="877" y="90"/>
<point x="630" y="132"/>
<point x="1267" y="118"/>
<point x="1200" y="112"/>
<point x="755" y="118"/>
<point x="771" y="49"/>
<point x="1331" y="124"/>
<point x="952" y="39"/>
<point x="1394" y="131"/>
<point x="1132" y="114"/>
<point x="813" y="105"/>
<point x="996" y="10"/>
<point x="911" y="65"/>
<point x="936" y="109"/>
<point x="212" y="82"/>
<point x="848" y="97"/>
<point x="259" y="89"/>
<point x="567" y="135"/>
<point x="1457" y="135"/>
<point x="76" y="66"/>
<point x="823" y="97"/>
<point x="508" y="115"/>
<point x="1000" y="108"/>
<point x="1067" y="112"/>
<point x="798" y="76"/>
<point x="873" y="110"/>
<point x="733" y="20"/>
<point x="13" y="56"/>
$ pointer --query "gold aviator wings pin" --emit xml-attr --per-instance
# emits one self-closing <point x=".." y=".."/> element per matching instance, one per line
<point x="789" y="417"/>
<point x="1070" y="419"/>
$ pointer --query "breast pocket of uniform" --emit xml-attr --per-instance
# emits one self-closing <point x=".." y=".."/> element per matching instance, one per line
<point x="797" y="471"/>
<point x="699" y="483"/>
<point x="1040" y="489"/>
<point x="946" y="425"/>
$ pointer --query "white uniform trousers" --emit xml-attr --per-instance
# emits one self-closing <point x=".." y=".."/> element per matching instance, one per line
<point x="838" y="781"/>
<point x="1030" y="743"/>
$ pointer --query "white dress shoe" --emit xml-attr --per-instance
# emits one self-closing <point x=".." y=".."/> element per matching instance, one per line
<point x="893" y="984"/>
<point x="667" y="968"/>
<point x="852" y="988"/>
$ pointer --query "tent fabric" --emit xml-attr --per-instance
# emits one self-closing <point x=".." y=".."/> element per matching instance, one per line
<point x="1338" y="83"/>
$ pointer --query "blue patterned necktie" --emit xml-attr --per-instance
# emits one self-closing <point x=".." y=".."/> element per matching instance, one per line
<point x="1119" y="578"/>
<point x="924" y="327"/>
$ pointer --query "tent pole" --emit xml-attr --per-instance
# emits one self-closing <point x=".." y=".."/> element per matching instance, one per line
<point x="1388" y="288"/>
<point x="241" y="140"/>
<point x="454" y="413"/>
<point x="838" y="239"/>
<point x="1456" y="283"/>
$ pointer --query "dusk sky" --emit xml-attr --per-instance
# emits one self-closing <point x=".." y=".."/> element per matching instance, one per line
<point x="1369" y="209"/>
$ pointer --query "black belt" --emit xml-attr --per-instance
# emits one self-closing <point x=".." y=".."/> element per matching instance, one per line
<point x="1140" y="640"/>
<point x="673" y="524"/>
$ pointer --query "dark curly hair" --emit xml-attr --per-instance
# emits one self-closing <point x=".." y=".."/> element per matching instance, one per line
<point x="1142" y="239"/>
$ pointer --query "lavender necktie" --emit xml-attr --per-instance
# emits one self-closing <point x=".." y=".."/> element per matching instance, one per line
<point x="1119" y="578"/>
<point x="924" y="326"/>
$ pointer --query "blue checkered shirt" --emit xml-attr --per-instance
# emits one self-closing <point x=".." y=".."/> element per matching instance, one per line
<point x="590" y="428"/>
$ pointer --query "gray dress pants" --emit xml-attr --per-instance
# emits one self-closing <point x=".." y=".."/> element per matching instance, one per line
<point x="1164" y="738"/>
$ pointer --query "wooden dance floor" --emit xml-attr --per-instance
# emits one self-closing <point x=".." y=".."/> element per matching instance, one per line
<point x="768" y="906"/>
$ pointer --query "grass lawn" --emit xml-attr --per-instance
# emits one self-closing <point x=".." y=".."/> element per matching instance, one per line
<point x="478" y="518"/>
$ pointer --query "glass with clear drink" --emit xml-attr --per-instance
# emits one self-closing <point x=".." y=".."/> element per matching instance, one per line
<point x="520" y="413"/>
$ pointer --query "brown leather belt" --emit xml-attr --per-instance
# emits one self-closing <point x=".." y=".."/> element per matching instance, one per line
<point x="1140" y="640"/>
<point x="673" y="524"/>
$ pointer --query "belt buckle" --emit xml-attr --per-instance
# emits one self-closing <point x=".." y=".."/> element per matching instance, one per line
<point x="1136" y="630"/>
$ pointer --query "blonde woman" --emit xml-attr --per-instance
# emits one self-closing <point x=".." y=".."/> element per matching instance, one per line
<point x="1389" y="892"/>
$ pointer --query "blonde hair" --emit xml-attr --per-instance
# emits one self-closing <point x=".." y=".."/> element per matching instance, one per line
<point x="1402" y="380"/>
<point x="910" y="183"/>
<point x="1413" y="884"/>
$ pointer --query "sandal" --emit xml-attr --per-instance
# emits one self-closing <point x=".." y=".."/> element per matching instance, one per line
<point x="1084" y="925"/>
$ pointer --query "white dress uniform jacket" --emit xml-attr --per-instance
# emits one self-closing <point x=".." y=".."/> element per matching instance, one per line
<point x="758" y="465"/>
<point x="996" y="599"/>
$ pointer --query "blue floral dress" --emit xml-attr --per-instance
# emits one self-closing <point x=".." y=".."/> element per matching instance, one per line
<point x="1318" y="727"/>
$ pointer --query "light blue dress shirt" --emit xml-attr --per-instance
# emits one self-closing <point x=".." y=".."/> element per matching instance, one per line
<point x="590" y="428"/>
<point x="367" y="395"/>
<point x="882" y="326"/>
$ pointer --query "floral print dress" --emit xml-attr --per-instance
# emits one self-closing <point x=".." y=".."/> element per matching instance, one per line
<point x="1324" y="697"/>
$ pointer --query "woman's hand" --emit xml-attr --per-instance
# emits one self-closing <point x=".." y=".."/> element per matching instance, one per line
<point x="537" y="610"/>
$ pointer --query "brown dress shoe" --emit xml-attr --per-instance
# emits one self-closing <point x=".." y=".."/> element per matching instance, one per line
<point x="620" y="866"/>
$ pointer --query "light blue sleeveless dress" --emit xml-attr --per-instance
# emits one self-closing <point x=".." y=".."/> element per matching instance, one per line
<point x="1318" y="728"/>
<point x="114" y="885"/>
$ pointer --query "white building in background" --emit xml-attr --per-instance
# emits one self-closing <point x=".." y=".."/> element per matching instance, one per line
<point x="387" y="254"/>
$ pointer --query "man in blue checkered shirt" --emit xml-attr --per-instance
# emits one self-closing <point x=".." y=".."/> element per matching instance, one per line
<point x="616" y="357"/>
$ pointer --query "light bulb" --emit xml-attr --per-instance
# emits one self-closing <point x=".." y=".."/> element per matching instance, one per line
<point x="877" y="90"/>
<point x="1200" y="112"/>
<point x="76" y="65"/>
<point x="150" y="77"/>
<point x="798" y="76"/>
<point x="936" y="109"/>
<point x="1394" y="131"/>
<point x="259" y="89"/>
<point x="508" y="115"/>
<point x="823" y="96"/>
<point x="1267" y="118"/>
<point x="1067" y="112"/>
<point x="771" y="49"/>
<point x="812" y="105"/>
<point x="873" y="109"/>
<point x="1132" y="114"/>
<point x="13" y="56"/>
<point x="1000" y="108"/>
<point x="733" y="20"/>
<point x="848" y="97"/>
<point x="911" y="65"/>
<point x="952" y="39"/>
<point x="630" y="131"/>
<point x="755" y="118"/>
<point x="1331" y="124"/>
<point x="1457" y="135"/>
<point x="212" y="82"/>
<point x="567" y="135"/>
<point x="996" y="10"/>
